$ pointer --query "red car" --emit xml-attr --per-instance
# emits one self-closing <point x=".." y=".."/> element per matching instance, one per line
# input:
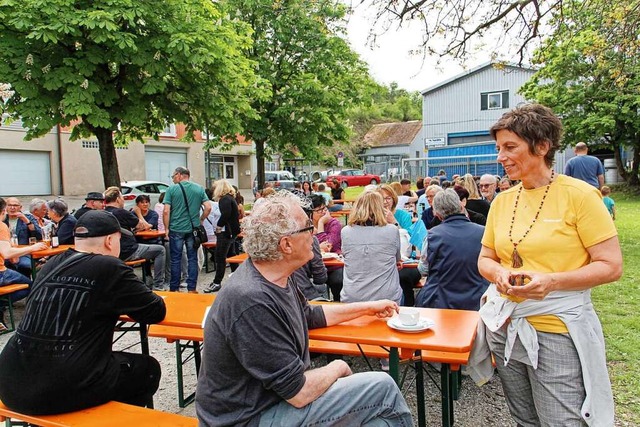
<point x="354" y="177"/>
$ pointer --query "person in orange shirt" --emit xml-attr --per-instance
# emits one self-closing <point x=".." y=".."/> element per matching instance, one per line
<point x="7" y="252"/>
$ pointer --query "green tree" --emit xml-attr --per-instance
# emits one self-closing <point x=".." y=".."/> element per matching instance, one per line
<point x="382" y="104"/>
<point x="124" y="69"/>
<point x="590" y="76"/>
<point x="312" y="76"/>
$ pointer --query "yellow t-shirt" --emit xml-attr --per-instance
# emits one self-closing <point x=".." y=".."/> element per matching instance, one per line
<point x="572" y="219"/>
<point x="5" y="235"/>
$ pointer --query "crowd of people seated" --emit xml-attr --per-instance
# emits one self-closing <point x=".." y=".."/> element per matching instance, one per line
<point x="474" y="248"/>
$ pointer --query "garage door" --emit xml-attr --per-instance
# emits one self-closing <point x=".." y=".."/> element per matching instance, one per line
<point x="25" y="173"/>
<point x="160" y="164"/>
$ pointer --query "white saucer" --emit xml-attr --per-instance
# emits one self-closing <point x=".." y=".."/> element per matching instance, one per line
<point x="423" y="324"/>
<point x="327" y="255"/>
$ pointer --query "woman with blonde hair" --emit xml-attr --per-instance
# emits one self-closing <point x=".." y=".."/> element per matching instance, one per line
<point x="409" y="277"/>
<point x="402" y="199"/>
<point x="371" y="249"/>
<point x="226" y="230"/>
<point x="390" y="203"/>
<point x="474" y="202"/>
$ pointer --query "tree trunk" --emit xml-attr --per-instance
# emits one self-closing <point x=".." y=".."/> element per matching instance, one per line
<point x="108" y="159"/>
<point x="260" y="161"/>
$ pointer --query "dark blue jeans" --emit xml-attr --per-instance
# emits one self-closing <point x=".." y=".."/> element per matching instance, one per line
<point x="176" y="242"/>
<point x="12" y="277"/>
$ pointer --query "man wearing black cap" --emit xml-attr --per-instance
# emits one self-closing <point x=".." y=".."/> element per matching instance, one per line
<point x="94" y="200"/>
<point x="60" y="358"/>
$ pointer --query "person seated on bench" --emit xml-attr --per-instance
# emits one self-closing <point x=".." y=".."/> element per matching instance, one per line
<point x="130" y="249"/>
<point x="453" y="279"/>
<point x="7" y="252"/>
<point x="60" y="359"/>
<point x="256" y="352"/>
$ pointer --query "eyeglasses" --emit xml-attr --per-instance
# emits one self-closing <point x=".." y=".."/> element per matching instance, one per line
<point x="14" y="206"/>
<point x="320" y="209"/>
<point x="307" y="229"/>
<point x="388" y="199"/>
<point x="485" y="185"/>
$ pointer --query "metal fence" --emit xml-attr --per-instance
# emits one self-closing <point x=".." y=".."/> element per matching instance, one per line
<point x="389" y="171"/>
<point x="430" y="166"/>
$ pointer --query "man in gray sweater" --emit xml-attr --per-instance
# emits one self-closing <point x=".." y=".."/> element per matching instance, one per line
<point x="256" y="356"/>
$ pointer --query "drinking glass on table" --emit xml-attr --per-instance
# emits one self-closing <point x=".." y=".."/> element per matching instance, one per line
<point x="32" y="240"/>
<point x="46" y="236"/>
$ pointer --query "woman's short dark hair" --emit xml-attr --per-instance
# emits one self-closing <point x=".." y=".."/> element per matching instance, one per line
<point x="317" y="200"/>
<point x="143" y="198"/>
<point x="534" y="123"/>
<point x="3" y="204"/>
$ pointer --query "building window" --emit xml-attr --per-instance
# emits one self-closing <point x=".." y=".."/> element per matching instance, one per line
<point x="89" y="144"/>
<point x="169" y="130"/>
<point x="494" y="100"/>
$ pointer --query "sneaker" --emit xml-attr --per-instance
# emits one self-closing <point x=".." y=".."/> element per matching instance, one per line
<point x="384" y="365"/>
<point x="214" y="287"/>
<point x="160" y="287"/>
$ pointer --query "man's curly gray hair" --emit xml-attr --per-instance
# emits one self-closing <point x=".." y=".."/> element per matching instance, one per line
<point x="268" y="223"/>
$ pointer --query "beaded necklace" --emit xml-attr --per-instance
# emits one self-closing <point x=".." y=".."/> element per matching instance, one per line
<point x="516" y="261"/>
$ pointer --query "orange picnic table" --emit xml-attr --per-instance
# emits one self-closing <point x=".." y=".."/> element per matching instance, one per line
<point x="183" y="309"/>
<point x="150" y="234"/>
<point x="338" y="214"/>
<point x="44" y="253"/>
<point x="328" y="262"/>
<point x="453" y="332"/>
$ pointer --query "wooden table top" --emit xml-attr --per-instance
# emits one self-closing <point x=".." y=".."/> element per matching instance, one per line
<point x="51" y="251"/>
<point x="150" y="234"/>
<point x="454" y="331"/>
<point x="343" y="212"/>
<point x="240" y="258"/>
<point x="183" y="309"/>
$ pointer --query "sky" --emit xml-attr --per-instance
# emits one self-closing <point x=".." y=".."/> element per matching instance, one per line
<point x="390" y="60"/>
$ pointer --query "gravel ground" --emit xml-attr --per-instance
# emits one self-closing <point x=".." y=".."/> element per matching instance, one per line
<point x="476" y="407"/>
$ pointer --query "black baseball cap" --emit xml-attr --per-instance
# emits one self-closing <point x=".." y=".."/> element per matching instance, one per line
<point x="94" y="195"/>
<point x="96" y="223"/>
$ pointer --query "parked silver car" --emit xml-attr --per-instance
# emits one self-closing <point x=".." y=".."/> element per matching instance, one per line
<point x="278" y="179"/>
<point x="132" y="189"/>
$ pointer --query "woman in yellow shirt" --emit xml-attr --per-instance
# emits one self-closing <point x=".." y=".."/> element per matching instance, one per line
<point x="547" y="242"/>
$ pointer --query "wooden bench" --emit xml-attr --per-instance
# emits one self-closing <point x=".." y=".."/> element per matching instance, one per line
<point x="193" y="338"/>
<point x="107" y="415"/>
<point x="139" y="263"/>
<point x="5" y="294"/>
<point x="208" y="245"/>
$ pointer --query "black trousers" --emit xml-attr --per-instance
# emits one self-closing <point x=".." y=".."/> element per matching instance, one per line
<point x="409" y="278"/>
<point x="138" y="380"/>
<point x="334" y="281"/>
<point x="225" y="248"/>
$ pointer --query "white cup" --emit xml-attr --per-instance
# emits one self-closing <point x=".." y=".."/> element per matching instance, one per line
<point x="409" y="316"/>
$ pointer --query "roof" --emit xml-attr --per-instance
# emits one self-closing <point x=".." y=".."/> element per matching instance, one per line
<point x="469" y="72"/>
<point x="386" y="134"/>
